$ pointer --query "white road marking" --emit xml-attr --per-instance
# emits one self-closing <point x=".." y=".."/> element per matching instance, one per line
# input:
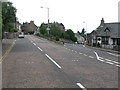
<point x="80" y="53"/>
<point x="101" y="60"/>
<point x="75" y="51"/>
<point x="53" y="61"/>
<point x="113" y="54"/>
<point x="109" y="63"/>
<point x="96" y="55"/>
<point x="39" y="48"/>
<point x="84" y="54"/>
<point x="107" y="60"/>
<point x="118" y="65"/>
<point x="91" y="57"/>
<point x="34" y="44"/>
<point x="81" y="86"/>
<point x="83" y="45"/>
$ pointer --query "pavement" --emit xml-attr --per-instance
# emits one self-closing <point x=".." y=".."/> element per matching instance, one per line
<point x="39" y="63"/>
<point x="104" y="49"/>
<point x="6" y="43"/>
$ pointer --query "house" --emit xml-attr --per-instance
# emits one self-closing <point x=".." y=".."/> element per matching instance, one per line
<point x="29" y="27"/>
<point x="80" y="39"/>
<point x="107" y="35"/>
<point x="18" y="26"/>
<point x="59" y="25"/>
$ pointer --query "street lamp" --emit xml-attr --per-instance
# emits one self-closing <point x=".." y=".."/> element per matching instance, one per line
<point x="86" y="31"/>
<point x="48" y="28"/>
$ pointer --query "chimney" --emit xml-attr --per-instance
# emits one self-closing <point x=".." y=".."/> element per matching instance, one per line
<point x="102" y="22"/>
<point x="32" y="22"/>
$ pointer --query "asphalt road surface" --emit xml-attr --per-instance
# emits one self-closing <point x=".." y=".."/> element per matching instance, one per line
<point x="38" y="63"/>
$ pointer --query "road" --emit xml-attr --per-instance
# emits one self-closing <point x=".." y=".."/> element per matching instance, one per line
<point x="38" y="63"/>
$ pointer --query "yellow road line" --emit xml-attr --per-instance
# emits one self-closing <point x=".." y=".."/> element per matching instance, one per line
<point x="7" y="52"/>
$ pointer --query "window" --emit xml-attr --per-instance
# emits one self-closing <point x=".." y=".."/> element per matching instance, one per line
<point x="105" y="40"/>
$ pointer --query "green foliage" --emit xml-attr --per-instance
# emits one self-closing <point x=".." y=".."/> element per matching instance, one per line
<point x="83" y="33"/>
<point x="43" y="30"/>
<point x="57" y="38"/>
<point x="69" y="34"/>
<point x="55" y="30"/>
<point x="13" y="30"/>
<point x="8" y="15"/>
<point x="31" y="32"/>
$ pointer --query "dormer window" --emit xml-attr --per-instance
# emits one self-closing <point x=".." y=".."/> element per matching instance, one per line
<point x="107" y="30"/>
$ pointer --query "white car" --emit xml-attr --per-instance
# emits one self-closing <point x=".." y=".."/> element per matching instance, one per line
<point x="21" y="35"/>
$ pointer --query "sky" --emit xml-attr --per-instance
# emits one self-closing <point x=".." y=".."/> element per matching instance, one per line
<point x="74" y="14"/>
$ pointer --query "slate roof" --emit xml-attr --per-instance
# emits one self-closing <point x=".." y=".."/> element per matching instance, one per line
<point x="109" y="29"/>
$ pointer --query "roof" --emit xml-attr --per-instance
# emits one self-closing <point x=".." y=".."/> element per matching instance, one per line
<point x="109" y="29"/>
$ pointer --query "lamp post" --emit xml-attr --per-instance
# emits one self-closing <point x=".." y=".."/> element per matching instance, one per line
<point x="48" y="28"/>
<point x="86" y="30"/>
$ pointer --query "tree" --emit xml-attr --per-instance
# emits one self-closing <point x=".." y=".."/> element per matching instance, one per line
<point x="8" y="15"/>
<point x="55" y="30"/>
<point x="70" y="35"/>
<point x="83" y="33"/>
<point x="43" y="29"/>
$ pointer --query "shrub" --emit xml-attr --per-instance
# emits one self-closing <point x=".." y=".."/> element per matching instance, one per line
<point x="57" y="38"/>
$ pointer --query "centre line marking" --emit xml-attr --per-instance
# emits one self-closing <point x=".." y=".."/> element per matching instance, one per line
<point x="39" y="48"/>
<point x="53" y="61"/>
<point x="34" y="44"/>
<point x="80" y="53"/>
<point x="84" y="54"/>
<point x="81" y="86"/>
<point x="75" y="51"/>
<point x="91" y="57"/>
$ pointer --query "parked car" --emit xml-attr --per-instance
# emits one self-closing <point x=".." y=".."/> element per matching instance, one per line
<point x="21" y="35"/>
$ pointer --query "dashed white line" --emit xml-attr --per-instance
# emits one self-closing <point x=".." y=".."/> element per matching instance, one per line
<point x="34" y="44"/>
<point x="39" y="48"/>
<point x="75" y="51"/>
<point x="84" y="54"/>
<point x="80" y="53"/>
<point x="91" y="57"/>
<point x="53" y="61"/>
<point x="83" y="45"/>
<point x="118" y="65"/>
<point x="81" y="86"/>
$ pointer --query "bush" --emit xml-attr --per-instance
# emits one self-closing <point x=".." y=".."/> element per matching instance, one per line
<point x="57" y="38"/>
<point x="13" y="30"/>
<point x="31" y="32"/>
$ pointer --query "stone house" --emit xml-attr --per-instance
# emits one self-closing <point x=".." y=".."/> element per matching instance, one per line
<point x="29" y="27"/>
<point x="107" y="35"/>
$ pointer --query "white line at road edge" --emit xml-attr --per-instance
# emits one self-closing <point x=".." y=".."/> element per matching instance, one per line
<point x="53" y="61"/>
<point x="113" y="54"/>
<point x="39" y="48"/>
<point x="81" y="86"/>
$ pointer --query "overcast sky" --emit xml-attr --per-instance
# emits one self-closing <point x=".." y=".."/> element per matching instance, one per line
<point x="72" y="13"/>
